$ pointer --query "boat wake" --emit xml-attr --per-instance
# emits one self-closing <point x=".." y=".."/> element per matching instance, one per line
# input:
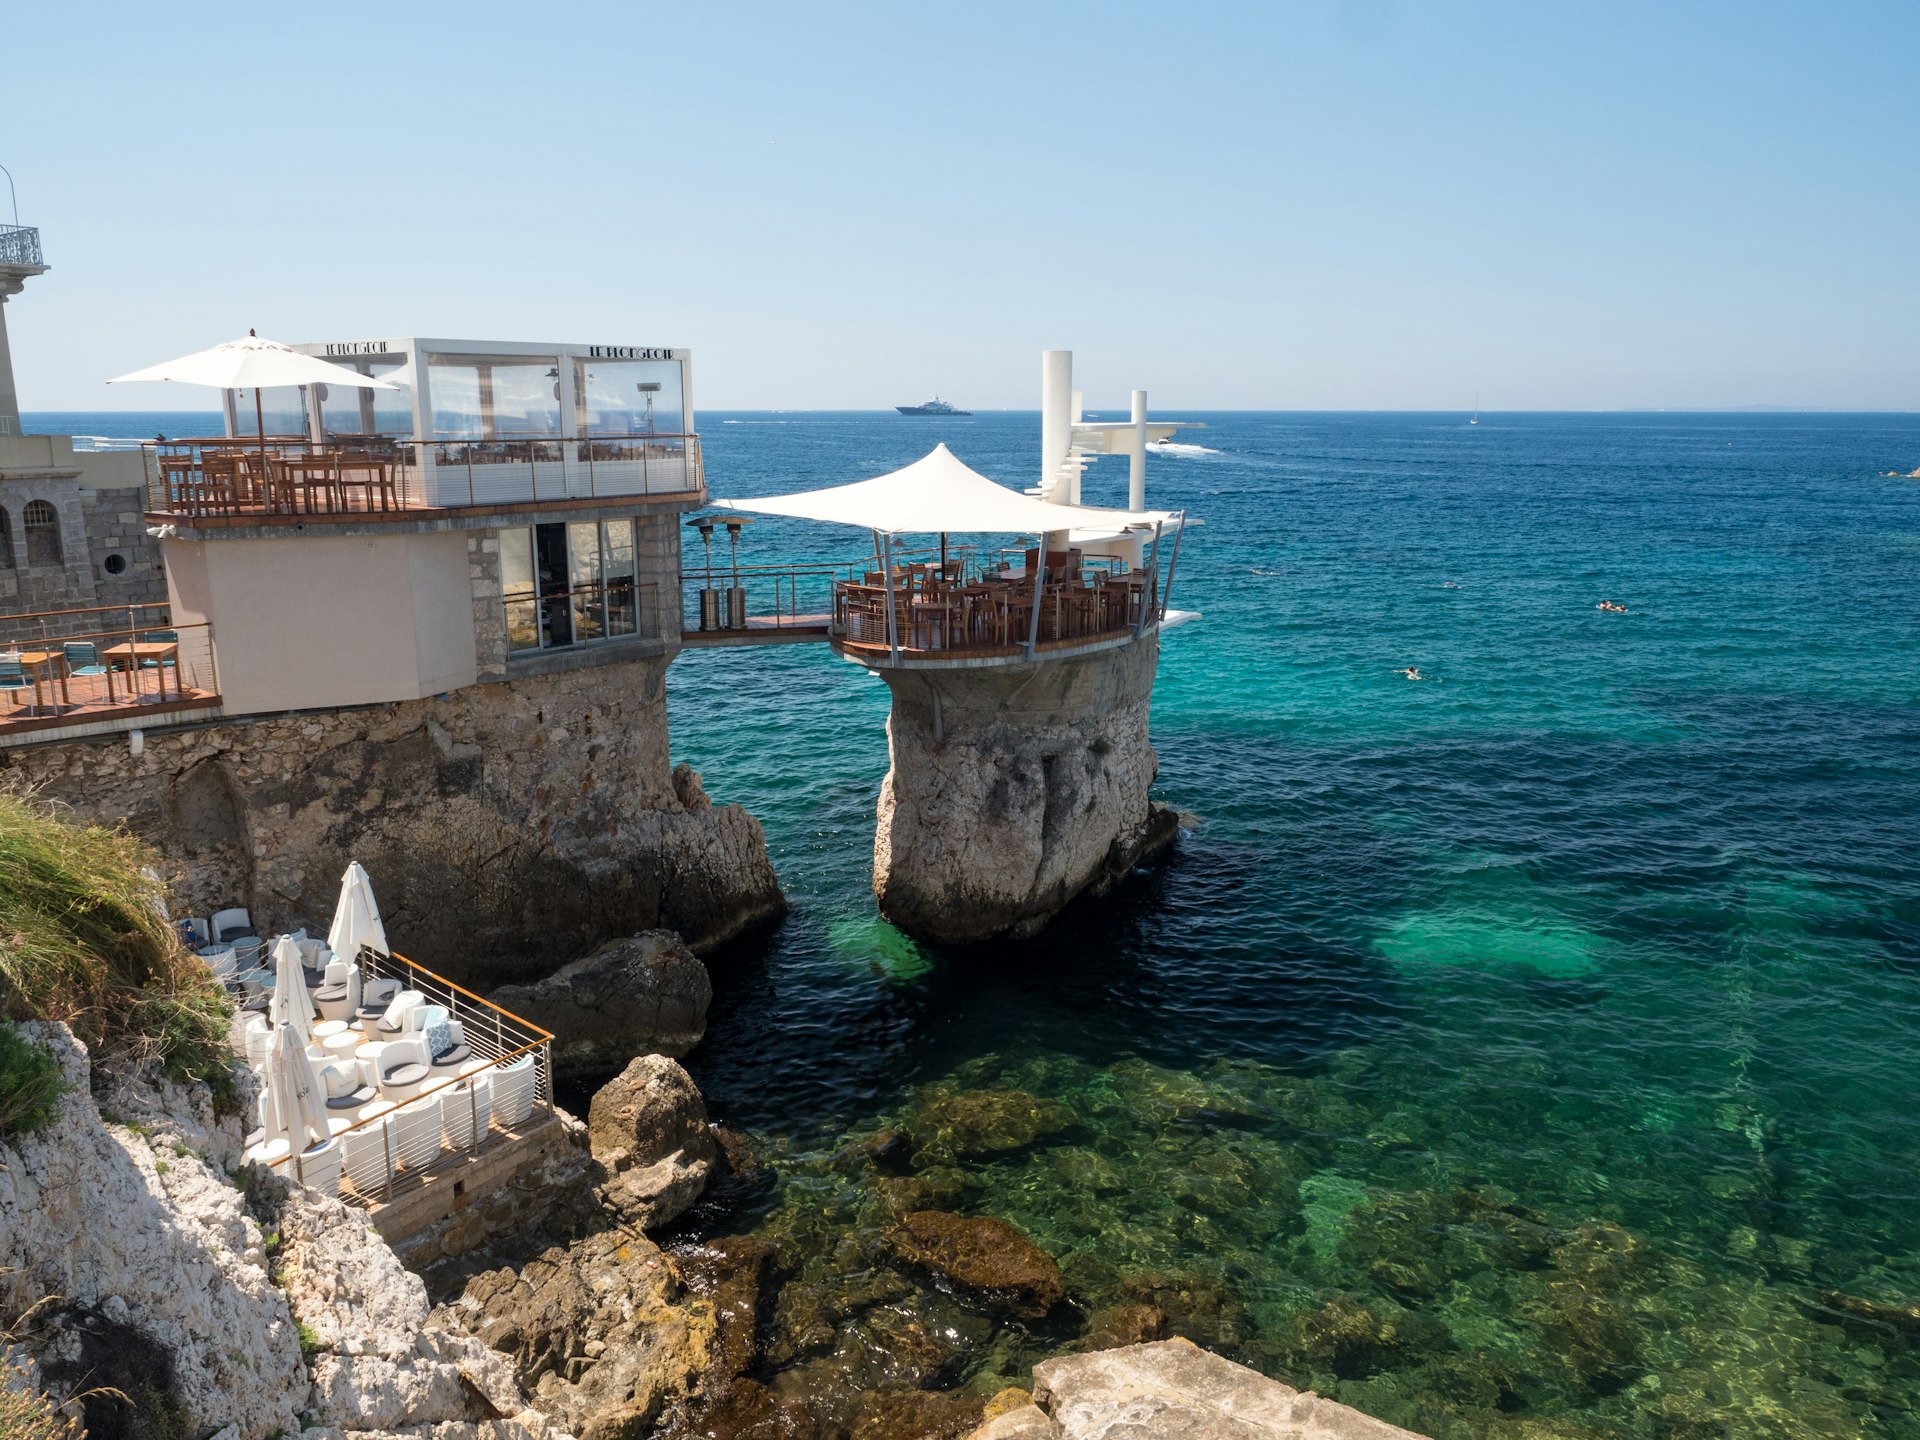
<point x="1175" y="447"/>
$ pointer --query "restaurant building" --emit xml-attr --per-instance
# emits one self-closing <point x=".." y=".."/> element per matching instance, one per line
<point x="505" y="510"/>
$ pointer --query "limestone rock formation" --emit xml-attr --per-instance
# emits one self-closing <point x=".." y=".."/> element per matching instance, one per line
<point x="646" y="994"/>
<point x="145" y="1266"/>
<point x="648" y="1128"/>
<point x="1174" y="1390"/>
<point x="593" y="1332"/>
<point x="984" y="1260"/>
<point x="508" y="827"/>
<point x="1014" y="789"/>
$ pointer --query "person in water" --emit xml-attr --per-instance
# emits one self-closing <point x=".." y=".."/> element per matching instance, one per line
<point x="1412" y="672"/>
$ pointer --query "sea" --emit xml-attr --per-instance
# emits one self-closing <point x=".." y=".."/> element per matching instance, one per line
<point x="1527" y="1049"/>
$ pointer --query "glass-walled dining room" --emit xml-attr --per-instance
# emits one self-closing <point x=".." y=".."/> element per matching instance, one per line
<point x="573" y="583"/>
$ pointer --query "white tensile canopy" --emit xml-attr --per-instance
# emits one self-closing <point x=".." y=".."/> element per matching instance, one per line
<point x="356" y="919"/>
<point x="941" y="493"/>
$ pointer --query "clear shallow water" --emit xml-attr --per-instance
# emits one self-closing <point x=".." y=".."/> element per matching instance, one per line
<point x="1531" y="1043"/>
<point x="1528" y="1050"/>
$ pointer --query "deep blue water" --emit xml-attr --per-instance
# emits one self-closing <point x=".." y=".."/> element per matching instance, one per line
<point x="1529" y="1046"/>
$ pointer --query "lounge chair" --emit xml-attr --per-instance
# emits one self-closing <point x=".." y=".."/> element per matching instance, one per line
<point x="82" y="658"/>
<point x="13" y="676"/>
<point x="338" y="994"/>
<point x="232" y="925"/>
<point x="405" y="1068"/>
<point x="466" y="1110"/>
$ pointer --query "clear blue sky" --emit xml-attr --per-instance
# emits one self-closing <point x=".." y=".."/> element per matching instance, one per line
<point x="1317" y="205"/>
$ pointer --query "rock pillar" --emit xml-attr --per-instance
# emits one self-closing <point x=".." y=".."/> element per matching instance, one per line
<point x="1013" y="789"/>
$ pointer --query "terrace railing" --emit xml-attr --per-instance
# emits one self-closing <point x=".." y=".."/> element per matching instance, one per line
<point x="241" y="478"/>
<point x="20" y="245"/>
<point x="66" y="668"/>
<point x="496" y="1037"/>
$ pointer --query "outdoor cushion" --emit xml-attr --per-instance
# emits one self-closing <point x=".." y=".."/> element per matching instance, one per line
<point x="386" y="1025"/>
<point x="347" y="1102"/>
<point x="406" y="1074"/>
<point x="331" y="992"/>
<point x="439" y="1038"/>
<point x="458" y="1055"/>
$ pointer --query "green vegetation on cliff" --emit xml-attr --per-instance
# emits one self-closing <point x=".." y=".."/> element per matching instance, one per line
<point x="84" y="939"/>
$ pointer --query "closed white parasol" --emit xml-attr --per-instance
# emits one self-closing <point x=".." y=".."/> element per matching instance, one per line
<point x="294" y="1106"/>
<point x="290" y="1004"/>
<point x="356" y="919"/>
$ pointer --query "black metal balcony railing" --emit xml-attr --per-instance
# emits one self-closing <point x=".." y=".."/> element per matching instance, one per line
<point x="251" y="478"/>
<point x="20" y="245"/>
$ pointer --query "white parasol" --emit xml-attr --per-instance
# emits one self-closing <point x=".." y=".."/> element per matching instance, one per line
<point x="293" y="1108"/>
<point x="290" y="1004"/>
<point x="356" y="919"/>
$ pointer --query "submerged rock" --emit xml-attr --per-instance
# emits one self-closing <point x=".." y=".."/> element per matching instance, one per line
<point x="976" y="1124"/>
<point x="648" y="1127"/>
<point x="917" y="1415"/>
<point x="985" y="1261"/>
<point x="646" y="994"/>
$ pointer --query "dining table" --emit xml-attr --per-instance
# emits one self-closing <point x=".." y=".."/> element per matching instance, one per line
<point x="136" y="655"/>
<point x="43" y="668"/>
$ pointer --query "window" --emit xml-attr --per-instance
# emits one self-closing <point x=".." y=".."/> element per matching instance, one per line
<point x="568" y="584"/>
<point x="6" y="540"/>
<point x="477" y="397"/>
<point x="115" y="564"/>
<point x="41" y="524"/>
<point x="347" y="410"/>
<point x="282" y="410"/>
<point x="627" y="397"/>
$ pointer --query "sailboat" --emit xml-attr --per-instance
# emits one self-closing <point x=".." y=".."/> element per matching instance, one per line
<point x="1476" y="409"/>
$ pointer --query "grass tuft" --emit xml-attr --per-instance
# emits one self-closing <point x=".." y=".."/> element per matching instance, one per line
<point x="84" y="939"/>
<point x="30" y="1085"/>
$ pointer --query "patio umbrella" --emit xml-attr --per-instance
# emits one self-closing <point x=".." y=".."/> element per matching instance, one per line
<point x="290" y="1005"/>
<point x="294" y="1106"/>
<point x="250" y="363"/>
<point x="356" y="919"/>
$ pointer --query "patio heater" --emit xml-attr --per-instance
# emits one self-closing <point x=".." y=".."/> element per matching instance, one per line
<point x="737" y="594"/>
<point x="649" y="388"/>
<point x="709" y="597"/>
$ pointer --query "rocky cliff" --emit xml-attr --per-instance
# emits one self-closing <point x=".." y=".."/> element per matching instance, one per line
<point x="509" y="827"/>
<point x="1014" y="789"/>
<point x="135" y="1258"/>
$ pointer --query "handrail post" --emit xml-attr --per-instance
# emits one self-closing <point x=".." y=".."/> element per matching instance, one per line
<point x="386" y="1144"/>
<point x="1039" y="578"/>
<point x="886" y="573"/>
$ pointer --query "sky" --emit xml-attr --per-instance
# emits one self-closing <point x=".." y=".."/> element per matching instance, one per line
<point x="1330" y="204"/>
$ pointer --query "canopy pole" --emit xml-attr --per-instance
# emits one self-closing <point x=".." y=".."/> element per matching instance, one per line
<point x="1039" y="574"/>
<point x="1153" y="569"/>
<point x="893" y="619"/>
<point x="1173" y="562"/>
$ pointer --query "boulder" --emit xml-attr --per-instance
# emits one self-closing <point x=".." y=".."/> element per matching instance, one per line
<point x="648" y="1128"/>
<point x="984" y="1261"/>
<point x="976" y="1124"/>
<point x="593" y="1333"/>
<point x="1174" y="1390"/>
<point x="646" y="994"/>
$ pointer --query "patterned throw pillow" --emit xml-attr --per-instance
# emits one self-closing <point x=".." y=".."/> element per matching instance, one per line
<point x="439" y="1038"/>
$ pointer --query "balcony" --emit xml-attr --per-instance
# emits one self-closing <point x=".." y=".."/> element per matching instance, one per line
<point x="20" y="248"/>
<point x="223" y="482"/>
<point x="76" y="672"/>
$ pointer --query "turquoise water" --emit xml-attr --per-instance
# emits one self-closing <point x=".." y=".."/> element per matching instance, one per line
<point x="1528" y="1049"/>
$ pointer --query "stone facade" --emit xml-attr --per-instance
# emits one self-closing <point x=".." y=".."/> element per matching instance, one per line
<point x="1014" y="789"/>
<point x="509" y="827"/>
<point x="100" y="553"/>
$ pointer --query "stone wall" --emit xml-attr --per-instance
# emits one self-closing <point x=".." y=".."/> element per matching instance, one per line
<point x="1014" y="789"/>
<point x="508" y="827"/>
<point x="99" y="504"/>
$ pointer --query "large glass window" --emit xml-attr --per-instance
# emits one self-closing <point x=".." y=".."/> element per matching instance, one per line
<point x="346" y="410"/>
<point x="583" y="557"/>
<point x="622" y="606"/>
<point x="568" y="584"/>
<point x="494" y="398"/>
<point x="283" y="411"/>
<point x="519" y="589"/>
<point x="627" y="397"/>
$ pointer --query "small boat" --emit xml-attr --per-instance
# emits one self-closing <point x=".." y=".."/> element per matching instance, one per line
<point x="1475" y="420"/>
<point x="934" y="406"/>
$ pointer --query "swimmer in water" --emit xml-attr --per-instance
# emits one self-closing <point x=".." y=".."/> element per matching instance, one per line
<point x="1412" y="672"/>
<point x="1450" y="585"/>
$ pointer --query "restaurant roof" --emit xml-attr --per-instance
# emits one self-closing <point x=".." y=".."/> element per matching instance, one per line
<point x="940" y="492"/>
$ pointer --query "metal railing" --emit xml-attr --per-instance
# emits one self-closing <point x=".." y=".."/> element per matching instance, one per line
<point x="68" y="668"/>
<point x="765" y="597"/>
<point x="20" y="245"/>
<point x="241" y="477"/>
<point x="497" y="1039"/>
